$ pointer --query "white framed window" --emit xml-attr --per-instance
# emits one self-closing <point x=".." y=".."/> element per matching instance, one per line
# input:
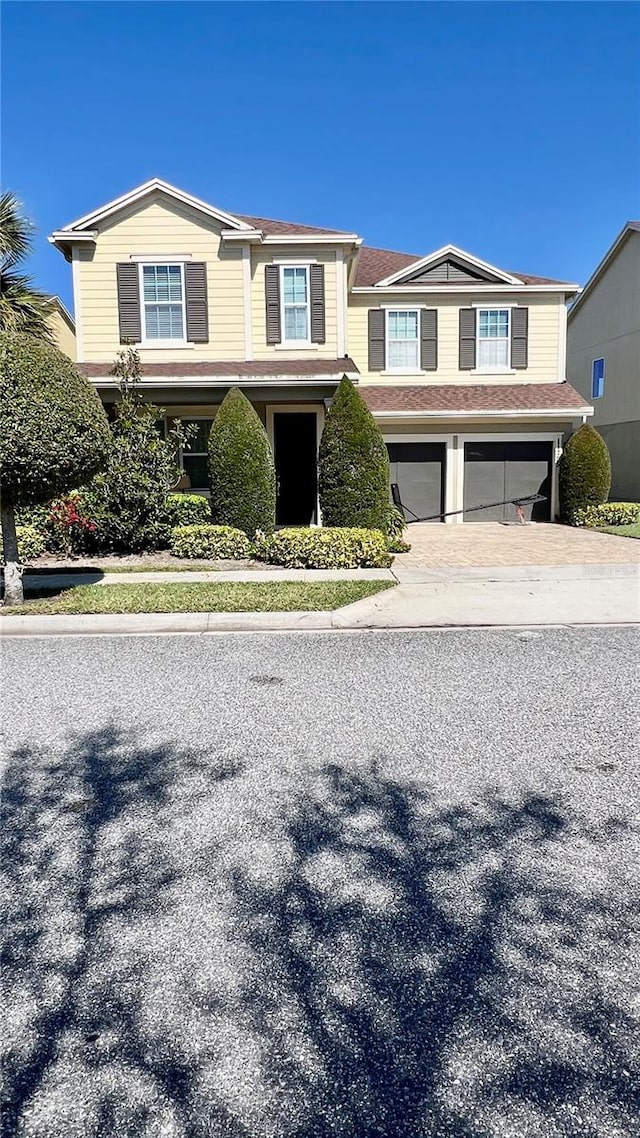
<point x="195" y="453"/>
<point x="294" y="289"/>
<point x="163" y="303"/>
<point x="403" y="339"/>
<point x="494" y="343"/>
<point x="597" y="378"/>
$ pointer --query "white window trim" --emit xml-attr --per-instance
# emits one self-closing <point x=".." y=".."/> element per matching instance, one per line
<point x="388" y="368"/>
<point x="168" y="343"/>
<point x="197" y="453"/>
<point x="284" y="342"/>
<point x="507" y="369"/>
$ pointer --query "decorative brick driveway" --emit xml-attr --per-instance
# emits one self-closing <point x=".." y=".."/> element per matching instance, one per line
<point x="493" y="544"/>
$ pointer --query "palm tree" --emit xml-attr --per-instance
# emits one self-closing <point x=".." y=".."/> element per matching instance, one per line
<point x="23" y="308"/>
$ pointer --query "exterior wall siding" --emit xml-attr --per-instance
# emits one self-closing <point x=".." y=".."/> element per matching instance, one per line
<point x="64" y="338"/>
<point x="167" y="229"/>
<point x="545" y="331"/>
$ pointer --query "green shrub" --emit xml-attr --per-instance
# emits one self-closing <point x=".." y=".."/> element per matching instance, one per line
<point x="188" y="510"/>
<point x="609" y="514"/>
<point x="37" y="516"/>
<point x="325" y="548"/>
<point x="30" y="544"/>
<point x="353" y="464"/>
<point x="210" y="543"/>
<point x="585" y="473"/>
<point x="241" y="470"/>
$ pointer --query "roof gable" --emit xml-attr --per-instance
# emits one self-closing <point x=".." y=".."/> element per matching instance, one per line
<point x="155" y="185"/>
<point x="611" y="253"/>
<point x="449" y="265"/>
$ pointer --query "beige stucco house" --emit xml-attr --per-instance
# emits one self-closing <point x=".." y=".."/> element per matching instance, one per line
<point x="461" y="362"/>
<point x="603" y="356"/>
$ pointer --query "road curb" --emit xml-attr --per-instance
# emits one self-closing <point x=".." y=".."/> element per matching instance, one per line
<point x="131" y="624"/>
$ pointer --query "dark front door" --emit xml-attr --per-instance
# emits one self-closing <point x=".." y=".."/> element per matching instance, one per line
<point x="496" y="471"/>
<point x="295" y="453"/>
<point x="418" y="469"/>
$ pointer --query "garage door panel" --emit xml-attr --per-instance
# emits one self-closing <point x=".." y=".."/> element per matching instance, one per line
<point x="418" y="469"/>
<point x="495" y="471"/>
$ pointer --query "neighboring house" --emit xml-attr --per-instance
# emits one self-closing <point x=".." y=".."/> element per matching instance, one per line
<point x="462" y="363"/>
<point x="63" y="327"/>
<point x="603" y="356"/>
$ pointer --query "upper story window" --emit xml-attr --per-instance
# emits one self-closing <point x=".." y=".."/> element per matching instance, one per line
<point x="493" y="338"/>
<point x="403" y="349"/>
<point x="295" y="304"/>
<point x="163" y="302"/>
<point x="597" y="379"/>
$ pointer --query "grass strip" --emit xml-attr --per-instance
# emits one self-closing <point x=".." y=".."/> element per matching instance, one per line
<point x="234" y="596"/>
<point x="622" y="531"/>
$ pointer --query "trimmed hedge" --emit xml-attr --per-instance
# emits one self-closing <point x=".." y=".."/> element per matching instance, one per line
<point x="353" y="474"/>
<point x="31" y="544"/>
<point x="241" y="469"/>
<point x="609" y="514"/>
<point x="325" y="548"/>
<point x="188" y="510"/>
<point x="210" y="543"/>
<point x="585" y="473"/>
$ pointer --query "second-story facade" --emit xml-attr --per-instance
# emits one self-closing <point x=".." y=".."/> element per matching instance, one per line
<point x="462" y="363"/>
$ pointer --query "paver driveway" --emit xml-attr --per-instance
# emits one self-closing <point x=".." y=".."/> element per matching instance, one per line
<point x="474" y="544"/>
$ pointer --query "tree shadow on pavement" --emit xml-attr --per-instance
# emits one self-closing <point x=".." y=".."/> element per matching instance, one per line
<point x="194" y="950"/>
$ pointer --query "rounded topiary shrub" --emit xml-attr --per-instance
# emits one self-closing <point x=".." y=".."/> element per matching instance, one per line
<point x="353" y="464"/>
<point x="241" y="469"/>
<point x="54" y="433"/>
<point x="585" y="473"/>
<point x="210" y="543"/>
<point x="188" y="510"/>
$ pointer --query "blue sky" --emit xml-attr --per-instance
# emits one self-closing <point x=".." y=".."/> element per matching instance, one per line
<point x="509" y="129"/>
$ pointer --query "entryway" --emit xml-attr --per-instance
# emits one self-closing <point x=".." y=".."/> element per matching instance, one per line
<point x="295" y="448"/>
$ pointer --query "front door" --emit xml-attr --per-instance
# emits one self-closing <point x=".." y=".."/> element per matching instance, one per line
<point x="295" y="453"/>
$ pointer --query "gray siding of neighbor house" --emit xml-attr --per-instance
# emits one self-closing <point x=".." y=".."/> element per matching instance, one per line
<point x="607" y="326"/>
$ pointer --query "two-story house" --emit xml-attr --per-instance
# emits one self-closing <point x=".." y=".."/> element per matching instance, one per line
<point x="603" y="356"/>
<point x="462" y="363"/>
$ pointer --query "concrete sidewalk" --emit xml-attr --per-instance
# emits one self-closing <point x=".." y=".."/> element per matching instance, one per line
<point x="499" y="597"/>
<point x="62" y="580"/>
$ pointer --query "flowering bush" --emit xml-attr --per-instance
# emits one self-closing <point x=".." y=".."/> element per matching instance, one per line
<point x="69" y="523"/>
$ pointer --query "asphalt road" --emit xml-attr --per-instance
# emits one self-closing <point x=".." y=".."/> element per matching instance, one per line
<point x="323" y="886"/>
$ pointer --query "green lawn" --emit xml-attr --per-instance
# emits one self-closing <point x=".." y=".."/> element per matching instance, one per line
<point x="271" y="596"/>
<point x="622" y="531"/>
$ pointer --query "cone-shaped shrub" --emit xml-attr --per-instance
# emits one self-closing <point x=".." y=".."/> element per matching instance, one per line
<point x="585" y="473"/>
<point x="241" y="470"/>
<point x="353" y="464"/>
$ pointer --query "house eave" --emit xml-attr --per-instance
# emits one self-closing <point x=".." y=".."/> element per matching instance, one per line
<point x="464" y="288"/>
<point x="562" y="413"/>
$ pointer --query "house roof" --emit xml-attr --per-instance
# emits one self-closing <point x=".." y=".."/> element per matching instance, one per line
<point x="624" y="234"/>
<point x="269" y="369"/>
<point x="376" y="265"/>
<point x="64" y="312"/>
<point x="469" y="399"/>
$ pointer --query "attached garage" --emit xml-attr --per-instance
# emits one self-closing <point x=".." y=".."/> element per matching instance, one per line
<point x="419" y="470"/>
<point x="495" y="471"/>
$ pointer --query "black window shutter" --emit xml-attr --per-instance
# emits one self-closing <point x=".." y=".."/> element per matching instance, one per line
<point x="129" y="302"/>
<point x="316" y="291"/>
<point x="272" y="300"/>
<point x="519" y="337"/>
<point x="195" y="284"/>
<point x="376" y="339"/>
<point x="429" y="339"/>
<point x="467" y="344"/>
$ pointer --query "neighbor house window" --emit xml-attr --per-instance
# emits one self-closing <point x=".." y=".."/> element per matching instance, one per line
<point x="195" y="453"/>
<point x="493" y="338"/>
<point x="402" y="339"/>
<point x="295" y="304"/>
<point x="163" y="302"/>
<point x="597" y="379"/>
